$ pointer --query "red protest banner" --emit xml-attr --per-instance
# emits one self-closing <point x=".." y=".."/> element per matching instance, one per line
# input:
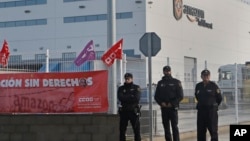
<point x="84" y="92"/>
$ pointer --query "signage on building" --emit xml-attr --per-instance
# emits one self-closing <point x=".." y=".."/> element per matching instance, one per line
<point x="193" y="14"/>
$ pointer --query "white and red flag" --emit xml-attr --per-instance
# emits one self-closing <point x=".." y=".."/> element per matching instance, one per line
<point x="87" y="54"/>
<point x="4" y="54"/>
<point x="115" y="52"/>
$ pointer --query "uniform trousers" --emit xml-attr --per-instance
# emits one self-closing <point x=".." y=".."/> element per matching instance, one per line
<point x="207" y="119"/>
<point x="170" y="115"/>
<point x="131" y="116"/>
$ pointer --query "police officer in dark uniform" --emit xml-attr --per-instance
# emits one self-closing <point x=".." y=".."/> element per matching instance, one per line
<point x="168" y="95"/>
<point x="208" y="97"/>
<point x="129" y="95"/>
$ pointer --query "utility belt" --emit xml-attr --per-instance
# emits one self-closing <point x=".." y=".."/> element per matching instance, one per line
<point x="207" y="107"/>
<point x="135" y="109"/>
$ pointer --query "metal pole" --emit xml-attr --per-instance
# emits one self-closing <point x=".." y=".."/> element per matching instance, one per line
<point x="47" y="61"/>
<point x="111" y="23"/>
<point x="150" y="87"/>
<point x="236" y="94"/>
<point x="125" y="63"/>
<point x="121" y="69"/>
<point x="205" y="64"/>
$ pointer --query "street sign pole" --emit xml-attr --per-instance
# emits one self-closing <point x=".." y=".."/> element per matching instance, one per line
<point x="236" y="95"/>
<point x="150" y="45"/>
<point x="150" y="85"/>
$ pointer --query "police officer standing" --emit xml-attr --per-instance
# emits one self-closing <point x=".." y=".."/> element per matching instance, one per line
<point x="168" y="95"/>
<point x="208" y="98"/>
<point x="129" y="95"/>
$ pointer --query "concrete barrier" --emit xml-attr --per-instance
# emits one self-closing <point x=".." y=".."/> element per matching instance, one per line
<point x="71" y="127"/>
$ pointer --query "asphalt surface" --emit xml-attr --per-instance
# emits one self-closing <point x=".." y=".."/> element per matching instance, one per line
<point x="222" y="137"/>
<point x="187" y="123"/>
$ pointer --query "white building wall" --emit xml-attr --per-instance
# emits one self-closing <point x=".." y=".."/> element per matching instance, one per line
<point x="228" y="42"/>
<point x="57" y="36"/>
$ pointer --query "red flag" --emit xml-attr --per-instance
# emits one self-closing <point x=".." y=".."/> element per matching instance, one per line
<point x="4" y="54"/>
<point x="115" y="52"/>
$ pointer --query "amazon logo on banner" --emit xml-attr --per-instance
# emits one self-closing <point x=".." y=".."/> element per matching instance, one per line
<point x="193" y="14"/>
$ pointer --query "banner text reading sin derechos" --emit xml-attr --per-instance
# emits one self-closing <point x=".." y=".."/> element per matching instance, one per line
<point x="68" y="82"/>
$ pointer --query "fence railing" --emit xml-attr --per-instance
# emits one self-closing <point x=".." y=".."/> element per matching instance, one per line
<point x="234" y="106"/>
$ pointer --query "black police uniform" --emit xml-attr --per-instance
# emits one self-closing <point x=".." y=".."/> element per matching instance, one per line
<point x="169" y="90"/>
<point x="129" y="96"/>
<point x="208" y="99"/>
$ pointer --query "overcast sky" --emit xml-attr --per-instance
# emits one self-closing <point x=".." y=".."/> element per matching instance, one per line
<point x="246" y="1"/>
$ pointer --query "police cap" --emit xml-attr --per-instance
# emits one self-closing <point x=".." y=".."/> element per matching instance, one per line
<point x="128" y="75"/>
<point x="167" y="68"/>
<point x="205" y="72"/>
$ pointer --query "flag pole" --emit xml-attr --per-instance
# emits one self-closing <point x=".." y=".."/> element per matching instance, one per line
<point x="121" y="69"/>
<point x="125" y="63"/>
<point x="111" y="29"/>
<point x="47" y="61"/>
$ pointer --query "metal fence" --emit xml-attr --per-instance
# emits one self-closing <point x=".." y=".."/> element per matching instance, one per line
<point x="234" y="81"/>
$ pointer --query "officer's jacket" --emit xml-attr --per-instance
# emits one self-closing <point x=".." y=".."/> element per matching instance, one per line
<point x="207" y="96"/>
<point x="169" y="90"/>
<point x="129" y="95"/>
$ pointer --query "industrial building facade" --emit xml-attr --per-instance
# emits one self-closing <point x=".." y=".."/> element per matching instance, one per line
<point x="194" y="34"/>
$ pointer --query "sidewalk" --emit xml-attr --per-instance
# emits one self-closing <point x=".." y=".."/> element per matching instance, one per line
<point x="191" y="135"/>
<point x="223" y="135"/>
<point x="187" y="124"/>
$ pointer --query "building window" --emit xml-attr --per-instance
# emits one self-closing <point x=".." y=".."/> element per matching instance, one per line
<point x="30" y="2"/>
<point x="2" y="24"/>
<point x="91" y="18"/>
<point x="15" y="58"/>
<point x="22" y="3"/>
<point x="99" y="54"/>
<point x="40" y="56"/>
<point x="10" y="4"/>
<point x="41" y="1"/>
<point x="72" y="0"/>
<point x="10" y="24"/>
<point x="30" y="22"/>
<point x="69" y="20"/>
<point x="125" y="15"/>
<point x="23" y="23"/>
<point x="20" y="23"/>
<point x="100" y="17"/>
<point x="226" y="75"/>
<point x="41" y="22"/>
<point x="80" y="19"/>
<point x="69" y="55"/>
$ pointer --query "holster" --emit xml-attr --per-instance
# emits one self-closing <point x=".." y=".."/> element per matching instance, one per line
<point x="137" y="110"/>
<point x="119" y="110"/>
